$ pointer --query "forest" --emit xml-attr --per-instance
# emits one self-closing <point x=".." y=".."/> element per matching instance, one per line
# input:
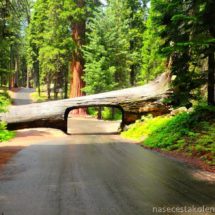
<point x="82" y="47"/>
<point x="71" y="48"/>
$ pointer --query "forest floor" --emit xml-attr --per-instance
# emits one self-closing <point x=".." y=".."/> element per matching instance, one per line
<point x="25" y="138"/>
<point x="187" y="137"/>
<point x="183" y="157"/>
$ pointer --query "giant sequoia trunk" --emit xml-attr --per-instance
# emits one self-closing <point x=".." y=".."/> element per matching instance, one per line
<point x="77" y="64"/>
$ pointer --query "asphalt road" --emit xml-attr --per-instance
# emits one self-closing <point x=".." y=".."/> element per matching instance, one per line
<point x="22" y="97"/>
<point x="96" y="175"/>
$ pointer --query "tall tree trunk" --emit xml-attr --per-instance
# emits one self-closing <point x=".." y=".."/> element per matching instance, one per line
<point x="48" y="87"/>
<point x="16" y="75"/>
<point x="211" y="79"/>
<point x="55" y="90"/>
<point x="77" y="64"/>
<point x="36" y="74"/>
<point x="99" y="116"/>
<point x="66" y="82"/>
<point x="132" y="75"/>
<point x="132" y="72"/>
<point x="28" y="77"/>
<point x="112" y="113"/>
<point x="10" y="81"/>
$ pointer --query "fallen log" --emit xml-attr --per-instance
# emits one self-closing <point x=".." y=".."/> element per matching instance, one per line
<point x="134" y="102"/>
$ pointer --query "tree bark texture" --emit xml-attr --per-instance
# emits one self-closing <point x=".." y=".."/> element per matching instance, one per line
<point x="77" y="64"/>
<point x="134" y="102"/>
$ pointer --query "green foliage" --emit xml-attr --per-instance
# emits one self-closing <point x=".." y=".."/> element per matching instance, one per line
<point x="4" y="101"/>
<point x="153" y="63"/>
<point x="187" y="34"/>
<point x="92" y="111"/>
<point x="107" y="54"/>
<point x="145" y="127"/>
<point x="166" y="135"/>
<point x="137" y="26"/>
<point x="5" y="135"/>
<point x="193" y="133"/>
<point x="107" y="114"/>
<point x="49" y="41"/>
<point x="182" y="125"/>
<point x="13" y="18"/>
<point x="39" y="98"/>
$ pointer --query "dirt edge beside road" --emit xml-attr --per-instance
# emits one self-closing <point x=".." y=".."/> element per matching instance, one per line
<point x="25" y="138"/>
<point x="7" y="153"/>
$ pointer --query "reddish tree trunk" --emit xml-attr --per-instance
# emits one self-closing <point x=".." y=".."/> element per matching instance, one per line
<point x="77" y="64"/>
<point x="11" y="81"/>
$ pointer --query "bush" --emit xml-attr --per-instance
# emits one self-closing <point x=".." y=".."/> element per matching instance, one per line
<point x="145" y="127"/>
<point x="92" y="111"/>
<point x="166" y="134"/>
<point x="5" y="134"/>
<point x="4" y="102"/>
<point x="193" y="132"/>
<point x="106" y="113"/>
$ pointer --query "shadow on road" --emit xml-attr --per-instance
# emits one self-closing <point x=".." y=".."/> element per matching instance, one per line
<point x="97" y="175"/>
<point x="94" y="133"/>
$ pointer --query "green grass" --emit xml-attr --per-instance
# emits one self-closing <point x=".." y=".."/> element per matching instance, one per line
<point x="36" y="98"/>
<point x="4" y="102"/>
<point x="43" y="97"/>
<point x="145" y="127"/>
<point x="193" y="133"/>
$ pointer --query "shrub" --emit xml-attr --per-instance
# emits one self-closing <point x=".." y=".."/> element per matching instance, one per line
<point x="145" y="127"/>
<point x="193" y="132"/>
<point x="4" y="101"/>
<point x="107" y="114"/>
<point x="5" y="134"/>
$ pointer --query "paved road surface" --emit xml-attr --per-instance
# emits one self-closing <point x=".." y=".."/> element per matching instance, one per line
<point x="22" y="97"/>
<point x="96" y="175"/>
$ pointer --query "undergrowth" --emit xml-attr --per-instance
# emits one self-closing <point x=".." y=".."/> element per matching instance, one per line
<point x="4" y="101"/>
<point x="193" y="133"/>
<point x="106" y="113"/>
<point x="4" y="133"/>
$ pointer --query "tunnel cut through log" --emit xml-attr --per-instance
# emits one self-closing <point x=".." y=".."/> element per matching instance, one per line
<point x="71" y="109"/>
<point x="135" y="102"/>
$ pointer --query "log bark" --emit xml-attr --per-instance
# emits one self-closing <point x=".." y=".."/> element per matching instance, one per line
<point x="134" y="102"/>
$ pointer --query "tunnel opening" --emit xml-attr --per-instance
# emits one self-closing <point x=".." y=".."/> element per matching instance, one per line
<point x="100" y="119"/>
